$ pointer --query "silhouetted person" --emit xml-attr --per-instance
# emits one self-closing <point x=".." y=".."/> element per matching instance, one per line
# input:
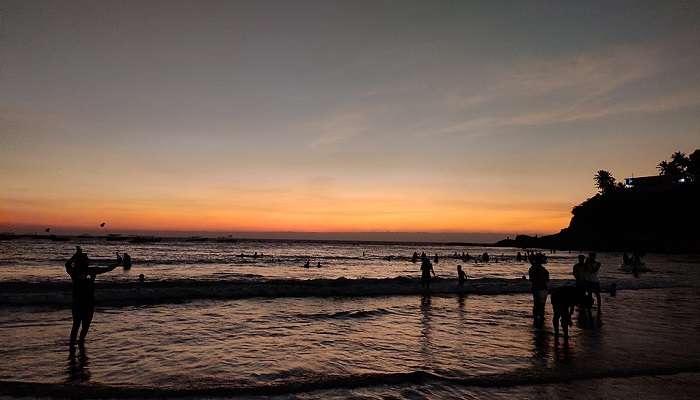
<point x="579" y="272"/>
<point x="126" y="261"/>
<point x="83" y="277"/>
<point x="564" y="300"/>
<point x="318" y="265"/>
<point x="142" y="279"/>
<point x="539" y="279"/>
<point x="518" y="257"/>
<point x="485" y="257"/>
<point x="414" y="258"/>
<point x="626" y="260"/>
<point x="461" y="276"/>
<point x="636" y="258"/>
<point x="426" y="268"/>
<point x="437" y="259"/>
<point x="307" y="264"/>
<point x="591" y="277"/>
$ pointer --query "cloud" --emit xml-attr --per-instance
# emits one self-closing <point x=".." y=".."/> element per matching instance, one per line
<point x="588" y="75"/>
<point x="338" y="128"/>
<point x="583" y="87"/>
<point x="567" y="114"/>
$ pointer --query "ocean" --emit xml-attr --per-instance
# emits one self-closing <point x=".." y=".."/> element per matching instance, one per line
<point x="213" y="320"/>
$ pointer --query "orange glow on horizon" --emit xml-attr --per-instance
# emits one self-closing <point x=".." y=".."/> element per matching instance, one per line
<point x="290" y="213"/>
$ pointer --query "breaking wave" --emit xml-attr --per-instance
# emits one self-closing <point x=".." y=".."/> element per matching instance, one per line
<point x="58" y="294"/>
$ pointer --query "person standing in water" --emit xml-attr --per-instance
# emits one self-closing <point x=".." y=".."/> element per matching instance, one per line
<point x="126" y="261"/>
<point x="426" y="268"/>
<point x="461" y="276"/>
<point x="83" y="277"/>
<point x="579" y="272"/>
<point x="591" y="277"/>
<point x="539" y="279"/>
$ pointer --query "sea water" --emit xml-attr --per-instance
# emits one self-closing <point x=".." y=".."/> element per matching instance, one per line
<point x="365" y="345"/>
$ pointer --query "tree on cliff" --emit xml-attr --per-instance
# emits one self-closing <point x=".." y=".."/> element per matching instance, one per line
<point x="693" y="169"/>
<point x="676" y="168"/>
<point x="681" y="167"/>
<point x="604" y="181"/>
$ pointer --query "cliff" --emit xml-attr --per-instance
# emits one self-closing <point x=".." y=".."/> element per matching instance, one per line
<point x="630" y="219"/>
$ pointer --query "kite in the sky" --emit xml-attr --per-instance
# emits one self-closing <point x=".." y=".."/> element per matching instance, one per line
<point x="102" y="225"/>
<point x="48" y="229"/>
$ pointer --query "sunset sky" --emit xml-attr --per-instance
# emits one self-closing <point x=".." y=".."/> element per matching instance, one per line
<point x="435" y="116"/>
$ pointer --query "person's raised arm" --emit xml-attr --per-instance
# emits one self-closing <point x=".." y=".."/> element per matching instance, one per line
<point x="102" y="270"/>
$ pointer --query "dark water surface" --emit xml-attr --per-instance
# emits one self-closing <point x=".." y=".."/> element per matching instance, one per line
<point x="439" y="346"/>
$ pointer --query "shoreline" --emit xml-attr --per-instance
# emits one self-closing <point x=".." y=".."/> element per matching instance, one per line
<point x="335" y="382"/>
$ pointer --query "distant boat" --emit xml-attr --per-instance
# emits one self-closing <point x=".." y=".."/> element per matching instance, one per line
<point x="145" y="239"/>
<point x="115" y="237"/>
<point x="8" y="236"/>
<point x="55" y="238"/>
<point x="196" y="239"/>
<point x="226" y="240"/>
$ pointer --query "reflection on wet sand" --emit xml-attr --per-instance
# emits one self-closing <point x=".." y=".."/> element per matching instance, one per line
<point x="540" y="351"/>
<point x="426" y="328"/>
<point x="77" y="368"/>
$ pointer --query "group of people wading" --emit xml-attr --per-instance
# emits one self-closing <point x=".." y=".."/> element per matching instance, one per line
<point x="564" y="299"/>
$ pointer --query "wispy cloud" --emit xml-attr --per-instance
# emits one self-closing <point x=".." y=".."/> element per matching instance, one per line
<point x="338" y="128"/>
<point x="582" y="87"/>
<point x="569" y="113"/>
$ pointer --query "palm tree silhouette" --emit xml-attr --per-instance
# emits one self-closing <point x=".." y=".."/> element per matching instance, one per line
<point x="604" y="181"/>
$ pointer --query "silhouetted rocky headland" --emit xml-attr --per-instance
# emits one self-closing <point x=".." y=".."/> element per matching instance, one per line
<point x="648" y="214"/>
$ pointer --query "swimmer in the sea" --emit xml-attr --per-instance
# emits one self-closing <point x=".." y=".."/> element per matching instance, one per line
<point x="461" y="276"/>
<point x="426" y="268"/>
